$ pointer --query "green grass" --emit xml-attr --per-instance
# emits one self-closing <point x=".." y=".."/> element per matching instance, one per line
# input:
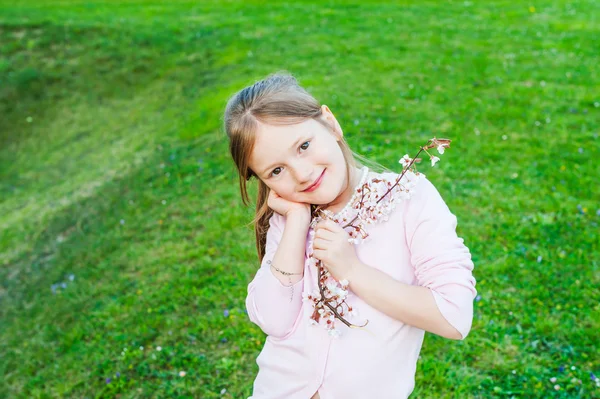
<point x="115" y="180"/>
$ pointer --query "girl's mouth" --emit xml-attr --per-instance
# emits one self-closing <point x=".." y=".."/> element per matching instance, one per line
<point x="316" y="184"/>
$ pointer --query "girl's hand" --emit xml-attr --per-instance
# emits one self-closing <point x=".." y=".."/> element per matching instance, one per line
<point x="287" y="208"/>
<point x="331" y="246"/>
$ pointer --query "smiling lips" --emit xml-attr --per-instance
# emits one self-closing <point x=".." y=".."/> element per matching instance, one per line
<point x="316" y="184"/>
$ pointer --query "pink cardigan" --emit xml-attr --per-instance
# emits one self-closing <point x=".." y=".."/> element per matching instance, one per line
<point x="418" y="245"/>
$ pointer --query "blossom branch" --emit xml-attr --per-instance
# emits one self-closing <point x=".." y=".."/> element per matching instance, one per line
<point x="329" y="299"/>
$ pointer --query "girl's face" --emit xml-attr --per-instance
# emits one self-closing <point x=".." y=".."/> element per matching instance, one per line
<point x="290" y="159"/>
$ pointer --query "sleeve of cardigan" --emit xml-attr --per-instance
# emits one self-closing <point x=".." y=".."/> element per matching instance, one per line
<point x="442" y="262"/>
<point x="271" y="305"/>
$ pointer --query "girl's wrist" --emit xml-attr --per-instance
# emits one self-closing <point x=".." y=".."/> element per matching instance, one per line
<point x="354" y="272"/>
<point x="298" y="217"/>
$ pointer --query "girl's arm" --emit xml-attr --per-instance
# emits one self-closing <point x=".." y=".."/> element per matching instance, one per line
<point x="272" y="303"/>
<point x="442" y="302"/>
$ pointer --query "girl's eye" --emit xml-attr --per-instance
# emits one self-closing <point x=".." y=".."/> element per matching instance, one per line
<point x="276" y="171"/>
<point x="305" y="145"/>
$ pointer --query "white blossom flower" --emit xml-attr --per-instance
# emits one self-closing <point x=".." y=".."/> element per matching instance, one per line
<point x="434" y="160"/>
<point x="440" y="149"/>
<point x="332" y="287"/>
<point x="182" y="373"/>
<point x="405" y="160"/>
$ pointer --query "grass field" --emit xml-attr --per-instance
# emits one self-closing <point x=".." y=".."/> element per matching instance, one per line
<point x="125" y="252"/>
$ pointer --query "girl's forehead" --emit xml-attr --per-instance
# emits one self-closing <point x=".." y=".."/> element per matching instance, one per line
<point x="272" y="136"/>
<point x="276" y="129"/>
<point x="274" y="140"/>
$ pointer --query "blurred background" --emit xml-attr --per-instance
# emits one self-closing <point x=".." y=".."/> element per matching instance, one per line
<point x="125" y="251"/>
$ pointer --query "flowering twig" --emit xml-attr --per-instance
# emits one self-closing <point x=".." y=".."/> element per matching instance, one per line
<point x="331" y="303"/>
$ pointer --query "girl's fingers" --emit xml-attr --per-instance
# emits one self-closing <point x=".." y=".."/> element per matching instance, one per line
<point x="318" y="253"/>
<point x="320" y="244"/>
<point x="325" y="234"/>
<point x="329" y="225"/>
<point x="317" y="244"/>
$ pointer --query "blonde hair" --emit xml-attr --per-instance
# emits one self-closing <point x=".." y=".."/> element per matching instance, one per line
<point x="277" y="100"/>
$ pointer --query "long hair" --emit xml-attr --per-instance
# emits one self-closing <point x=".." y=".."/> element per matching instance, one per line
<point x="276" y="100"/>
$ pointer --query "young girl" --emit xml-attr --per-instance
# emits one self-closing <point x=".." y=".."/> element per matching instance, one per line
<point x="353" y="270"/>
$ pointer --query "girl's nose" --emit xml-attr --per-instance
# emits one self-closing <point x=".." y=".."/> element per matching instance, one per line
<point x="303" y="173"/>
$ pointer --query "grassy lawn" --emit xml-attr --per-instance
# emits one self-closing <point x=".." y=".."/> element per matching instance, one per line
<point x="125" y="252"/>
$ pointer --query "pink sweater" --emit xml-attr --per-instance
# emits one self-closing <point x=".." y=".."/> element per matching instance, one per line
<point x="418" y="245"/>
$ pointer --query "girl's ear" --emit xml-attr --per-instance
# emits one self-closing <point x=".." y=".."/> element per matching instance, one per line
<point x="333" y="123"/>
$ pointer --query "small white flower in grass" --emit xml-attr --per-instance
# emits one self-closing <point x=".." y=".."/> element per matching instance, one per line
<point x="573" y="367"/>
<point x="158" y="348"/>
<point x="223" y="391"/>
<point x="141" y="348"/>
<point x="557" y="387"/>
<point x="553" y="379"/>
<point x="405" y="160"/>
<point x="182" y="373"/>
<point x="440" y="149"/>
<point x="434" y="160"/>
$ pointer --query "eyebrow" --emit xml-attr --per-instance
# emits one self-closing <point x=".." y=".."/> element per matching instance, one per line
<point x="268" y="168"/>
